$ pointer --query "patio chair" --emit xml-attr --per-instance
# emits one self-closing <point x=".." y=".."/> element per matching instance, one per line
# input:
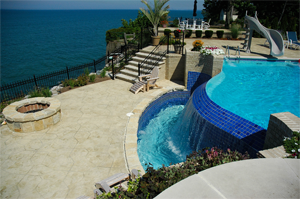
<point x="182" y="25"/>
<point x="190" y="24"/>
<point x="292" y="39"/>
<point x="145" y="85"/>
<point x="206" y="25"/>
<point x="198" y="24"/>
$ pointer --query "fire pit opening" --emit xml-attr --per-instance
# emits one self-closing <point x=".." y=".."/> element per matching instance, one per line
<point x="32" y="108"/>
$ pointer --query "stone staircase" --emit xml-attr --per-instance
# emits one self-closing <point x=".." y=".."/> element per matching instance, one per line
<point x="130" y="73"/>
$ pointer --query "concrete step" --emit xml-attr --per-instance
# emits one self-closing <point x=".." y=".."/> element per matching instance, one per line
<point x="129" y="72"/>
<point x="135" y="63"/>
<point x="127" y="78"/>
<point x="158" y="53"/>
<point x="144" y="54"/>
<point x="135" y="68"/>
<point x="149" y="61"/>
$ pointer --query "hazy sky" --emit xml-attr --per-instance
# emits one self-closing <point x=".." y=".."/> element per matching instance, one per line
<point x="92" y="4"/>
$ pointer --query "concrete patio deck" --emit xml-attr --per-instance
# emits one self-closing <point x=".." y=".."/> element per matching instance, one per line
<point x="86" y="146"/>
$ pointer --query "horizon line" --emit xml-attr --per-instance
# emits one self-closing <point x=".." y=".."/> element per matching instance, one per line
<point x="81" y="9"/>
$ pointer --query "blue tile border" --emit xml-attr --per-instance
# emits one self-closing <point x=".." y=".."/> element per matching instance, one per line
<point x="244" y="130"/>
<point x="195" y="79"/>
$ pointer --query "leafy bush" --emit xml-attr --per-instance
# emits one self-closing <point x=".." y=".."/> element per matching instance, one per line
<point x="209" y="33"/>
<point x="292" y="145"/>
<point x="35" y="93"/>
<point x="72" y="83"/>
<point x="43" y="92"/>
<point x="86" y="71"/>
<point x="221" y="22"/>
<point x="235" y="30"/>
<point x="197" y="44"/>
<point x="198" y="33"/>
<point x="153" y="182"/>
<point x="167" y="32"/>
<point x="177" y="32"/>
<point x="46" y="92"/>
<point x="92" y="78"/>
<point x="81" y="80"/>
<point x="175" y="23"/>
<point x="115" y="34"/>
<point x="103" y="73"/>
<point x="188" y="33"/>
<point x="220" y="33"/>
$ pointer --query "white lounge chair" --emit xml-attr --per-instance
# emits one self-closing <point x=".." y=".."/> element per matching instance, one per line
<point x="147" y="83"/>
<point x="292" y="39"/>
<point x="206" y="25"/>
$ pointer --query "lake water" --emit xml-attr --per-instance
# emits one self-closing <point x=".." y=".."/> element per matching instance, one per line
<point x="36" y="42"/>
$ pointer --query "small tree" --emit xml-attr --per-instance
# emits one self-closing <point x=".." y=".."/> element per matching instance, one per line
<point x="154" y="14"/>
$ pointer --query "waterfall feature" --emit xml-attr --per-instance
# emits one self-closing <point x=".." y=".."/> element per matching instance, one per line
<point x="205" y="124"/>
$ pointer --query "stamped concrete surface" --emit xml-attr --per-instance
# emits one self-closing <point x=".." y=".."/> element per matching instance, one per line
<point x="256" y="178"/>
<point x="86" y="146"/>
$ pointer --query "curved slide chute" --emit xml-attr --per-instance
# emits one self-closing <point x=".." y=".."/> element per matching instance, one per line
<point x="273" y="36"/>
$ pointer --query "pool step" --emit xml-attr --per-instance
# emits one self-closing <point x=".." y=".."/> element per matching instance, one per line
<point x="277" y="152"/>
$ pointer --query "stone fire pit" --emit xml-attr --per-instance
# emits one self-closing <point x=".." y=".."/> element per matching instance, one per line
<point x="32" y="114"/>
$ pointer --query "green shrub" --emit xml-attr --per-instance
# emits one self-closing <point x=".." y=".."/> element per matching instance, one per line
<point x="72" y="83"/>
<point x="43" y="92"/>
<point x="175" y="23"/>
<point x="86" y="71"/>
<point x="103" y="73"/>
<point x="167" y="32"/>
<point x="235" y="30"/>
<point x="65" y="83"/>
<point x="153" y="182"/>
<point x="46" y="92"/>
<point x="177" y="32"/>
<point x="220" y="33"/>
<point x="188" y="33"/>
<point x="115" y="34"/>
<point x="81" y="80"/>
<point x="209" y="33"/>
<point x="92" y="78"/>
<point x="292" y="145"/>
<point x="221" y="22"/>
<point x="35" y="93"/>
<point x="198" y="33"/>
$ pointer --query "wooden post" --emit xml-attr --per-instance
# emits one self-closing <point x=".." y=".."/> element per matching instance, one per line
<point x="95" y="66"/>
<point x="68" y="72"/>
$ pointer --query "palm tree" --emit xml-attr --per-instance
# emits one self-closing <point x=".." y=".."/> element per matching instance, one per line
<point x="154" y="14"/>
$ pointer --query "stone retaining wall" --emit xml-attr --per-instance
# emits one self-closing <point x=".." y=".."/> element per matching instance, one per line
<point x="280" y="125"/>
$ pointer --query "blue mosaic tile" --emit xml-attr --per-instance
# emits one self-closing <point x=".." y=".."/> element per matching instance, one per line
<point x="195" y="79"/>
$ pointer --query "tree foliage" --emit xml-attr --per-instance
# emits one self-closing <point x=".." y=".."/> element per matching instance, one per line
<point x="282" y="15"/>
<point x="154" y="14"/>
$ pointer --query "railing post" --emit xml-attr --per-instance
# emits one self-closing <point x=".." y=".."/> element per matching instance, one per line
<point x="141" y="37"/>
<point x="68" y="72"/>
<point x="35" y="82"/>
<point x="182" y="40"/>
<point x="138" y="47"/>
<point x="113" y="68"/>
<point x="95" y="66"/>
<point x="139" y="68"/>
<point x="126" y="54"/>
<point x="168" y="43"/>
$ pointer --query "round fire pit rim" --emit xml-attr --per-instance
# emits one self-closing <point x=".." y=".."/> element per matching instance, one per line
<point x="11" y="114"/>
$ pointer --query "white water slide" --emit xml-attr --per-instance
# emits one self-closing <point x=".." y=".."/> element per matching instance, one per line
<point x="273" y="36"/>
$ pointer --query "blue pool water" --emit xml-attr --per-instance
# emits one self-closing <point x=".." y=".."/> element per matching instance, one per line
<point x="256" y="89"/>
<point x="156" y="144"/>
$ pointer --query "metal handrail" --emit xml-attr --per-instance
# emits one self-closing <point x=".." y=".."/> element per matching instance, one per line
<point x="227" y="52"/>
<point x="238" y="50"/>
<point x="140" y="65"/>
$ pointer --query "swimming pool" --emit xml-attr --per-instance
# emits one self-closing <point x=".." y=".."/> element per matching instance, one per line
<point x="176" y="124"/>
<point x="256" y="89"/>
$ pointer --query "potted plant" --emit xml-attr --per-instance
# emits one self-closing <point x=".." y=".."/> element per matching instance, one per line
<point x="178" y="32"/>
<point x="164" y="23"/>
<point x="154" y="15"/>
<point x="177" y="46"/>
